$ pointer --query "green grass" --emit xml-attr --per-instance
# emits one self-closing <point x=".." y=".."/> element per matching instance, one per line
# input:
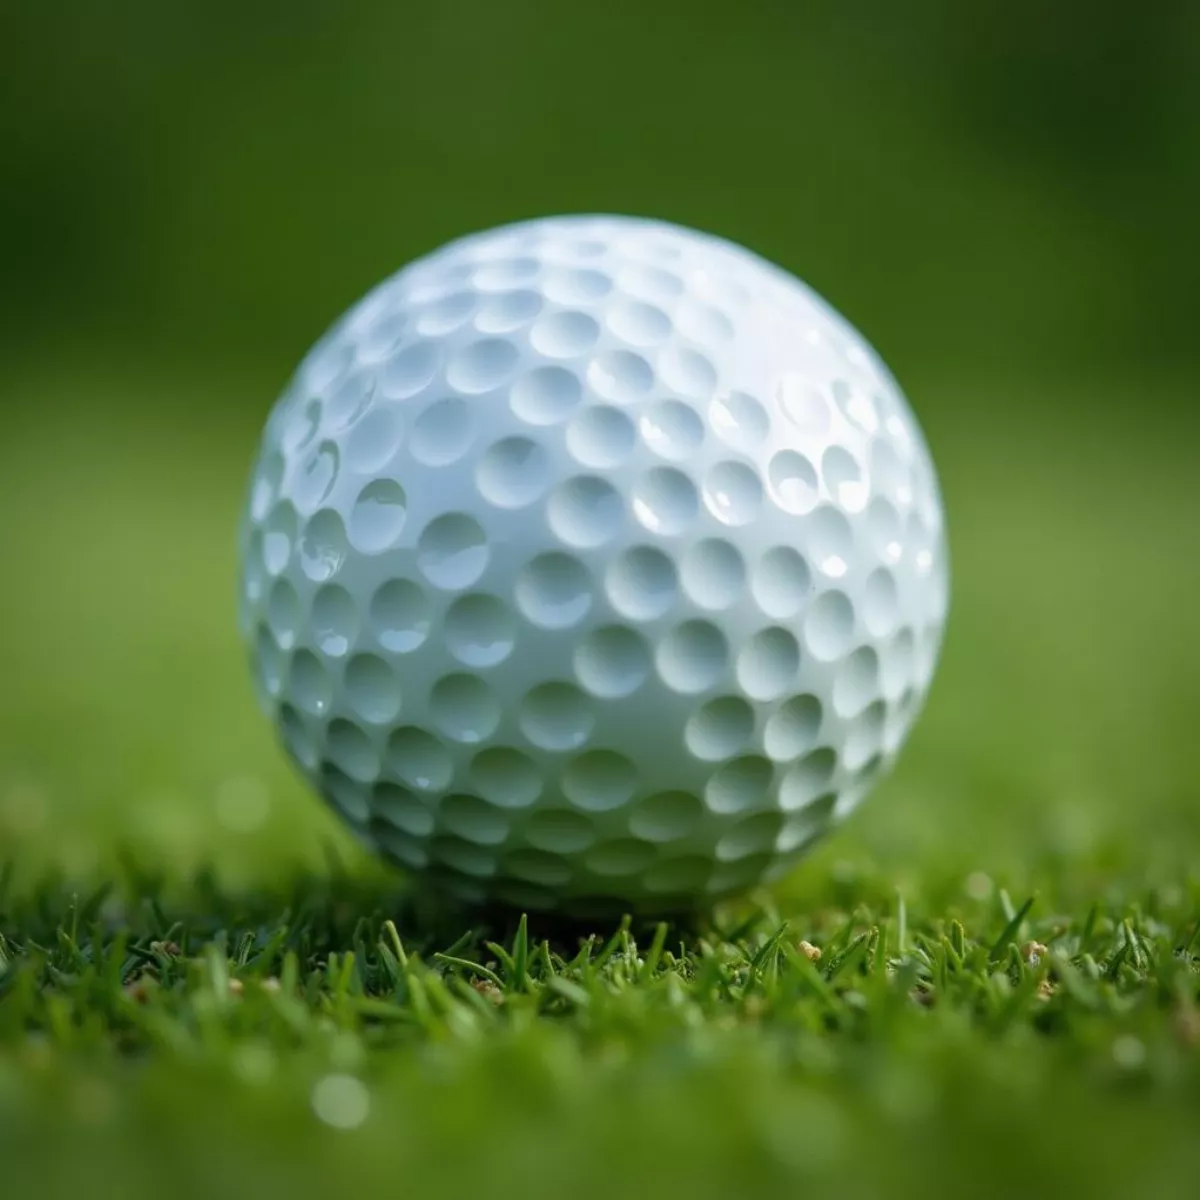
<point x="300" y="1039"/>
<point x="201" y="980"/>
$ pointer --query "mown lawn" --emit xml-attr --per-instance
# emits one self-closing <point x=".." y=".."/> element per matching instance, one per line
<point x="987" y="984"/>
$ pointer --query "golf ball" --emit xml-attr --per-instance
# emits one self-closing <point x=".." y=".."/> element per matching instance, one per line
<point x="593" y="562"/>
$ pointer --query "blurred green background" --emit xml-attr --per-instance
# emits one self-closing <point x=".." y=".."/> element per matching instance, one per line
<point x="1001" y="195"/>
<point x="1001" y="184"/>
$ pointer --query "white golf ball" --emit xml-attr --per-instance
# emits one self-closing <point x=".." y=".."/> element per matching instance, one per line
<point x="591" y="563"/>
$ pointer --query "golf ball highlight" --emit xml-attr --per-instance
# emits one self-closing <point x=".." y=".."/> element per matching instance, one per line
<point x="591" y="564"/>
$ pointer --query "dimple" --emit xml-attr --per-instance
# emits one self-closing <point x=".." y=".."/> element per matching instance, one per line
<point x="464" y="708"/>
<point x="642" y="583"/>
<point x="599" y="780"/>
<point x="620" y="376"/>
<point x="688" y="372"/>
<point x="565" y="334"/>
<point x="482" y="366"/>
<point x="665" y="501"/>
<point x="372" y="688"/>
<point x="545" y="395"/>
<point x="410" y="371"/>
<point x="829" y="625"/>
<point x="442" y="434"/>
<point x="768" y="663"/>
<point x="739" y="784"/>
<point x="513" y="472"/>
<point x="666" y="816"/>
<point x="553" y="590"/>
<point x="739" y="420"/>
<point x="733" y="493"/>
<point x="556" y="716"/>
<point x="374" y="441"/>
<point x="419" y="759"/>
<point x="378" y="516"/>
<point x="310" y="685"/>
<point x="479" y="630"/>
<point x="317" y="477"/>
<point x="638" y="323"/>
<point x="600" y="436"/>
<point x="324" y="546"/>
<point x="671" y="429"/>
<point x="585" y="511"/>
<point x="719" y="729"/>
<point x="452" y="551"/>
<point x="612" y="661"/>
<point x="692" y="657"/>
<point x="713" y="573"/>
<point x="400" y="615"/>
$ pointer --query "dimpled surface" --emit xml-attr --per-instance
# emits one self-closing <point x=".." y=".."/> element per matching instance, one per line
<point x="593" y="563"/>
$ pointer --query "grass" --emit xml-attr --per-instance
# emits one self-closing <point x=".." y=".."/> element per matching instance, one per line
<point x="986" y="984"/>
<point x="308" y="1038"/>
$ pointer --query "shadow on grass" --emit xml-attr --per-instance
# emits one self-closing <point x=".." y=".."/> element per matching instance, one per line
<point x="337" y="910"/>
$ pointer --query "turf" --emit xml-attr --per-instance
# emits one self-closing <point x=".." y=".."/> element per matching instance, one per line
<point x="304" y="1040"/>
<point x="986" y="984"/>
